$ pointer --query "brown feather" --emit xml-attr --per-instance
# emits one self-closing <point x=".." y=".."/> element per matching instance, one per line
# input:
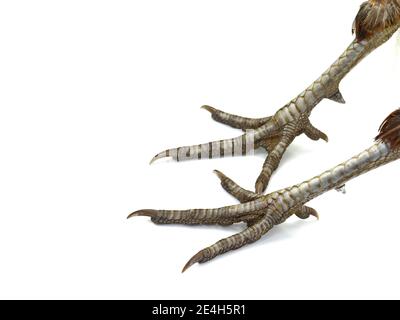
<point x="375" y="16"/>
<point x="389" y="131"/>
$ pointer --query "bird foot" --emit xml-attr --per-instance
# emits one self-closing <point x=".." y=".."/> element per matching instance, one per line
<point x="259" y="133"/>
<point x="255" y="210"/>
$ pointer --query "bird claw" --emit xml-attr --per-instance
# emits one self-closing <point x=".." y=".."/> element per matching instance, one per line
<point x="197" y="258"/>
<point x="143" y="213"/>
<point x="305" y="212"/>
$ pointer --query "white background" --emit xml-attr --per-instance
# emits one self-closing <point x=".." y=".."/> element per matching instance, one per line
<point x="91" y="90"/>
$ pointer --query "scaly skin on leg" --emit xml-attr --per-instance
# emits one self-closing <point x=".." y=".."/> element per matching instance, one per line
<point x="263" y="212"/>
<point x="376" y="22"/>
<point x="243" y="195"/>
<point x="279" y="145"/>
<point x="274" y="157"/>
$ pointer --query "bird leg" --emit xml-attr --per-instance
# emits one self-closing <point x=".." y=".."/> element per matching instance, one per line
<point x="376" y="22"/>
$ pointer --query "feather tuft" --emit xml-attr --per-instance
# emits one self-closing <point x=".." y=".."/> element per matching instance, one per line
<point x="389" y="131"/>
<point x="375" y="16"/>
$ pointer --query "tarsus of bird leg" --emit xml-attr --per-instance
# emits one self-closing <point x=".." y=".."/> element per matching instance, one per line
<point x="375" y="23"/>
<point x="263" y="212"/>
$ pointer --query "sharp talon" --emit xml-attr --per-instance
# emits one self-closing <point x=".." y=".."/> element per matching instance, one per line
<point x="325" y="138"/>
<point x="316" y="215"/>
<point x="143" y="213"/>
<point x="305" y="213"/>
<point x="158" y="157"/>
<point x="195" y="259"/>
<point x="155" y="158"/>
<point x="219" y="174"/>
<point x="133" y="214"/>
<point x="209" y="109"/>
